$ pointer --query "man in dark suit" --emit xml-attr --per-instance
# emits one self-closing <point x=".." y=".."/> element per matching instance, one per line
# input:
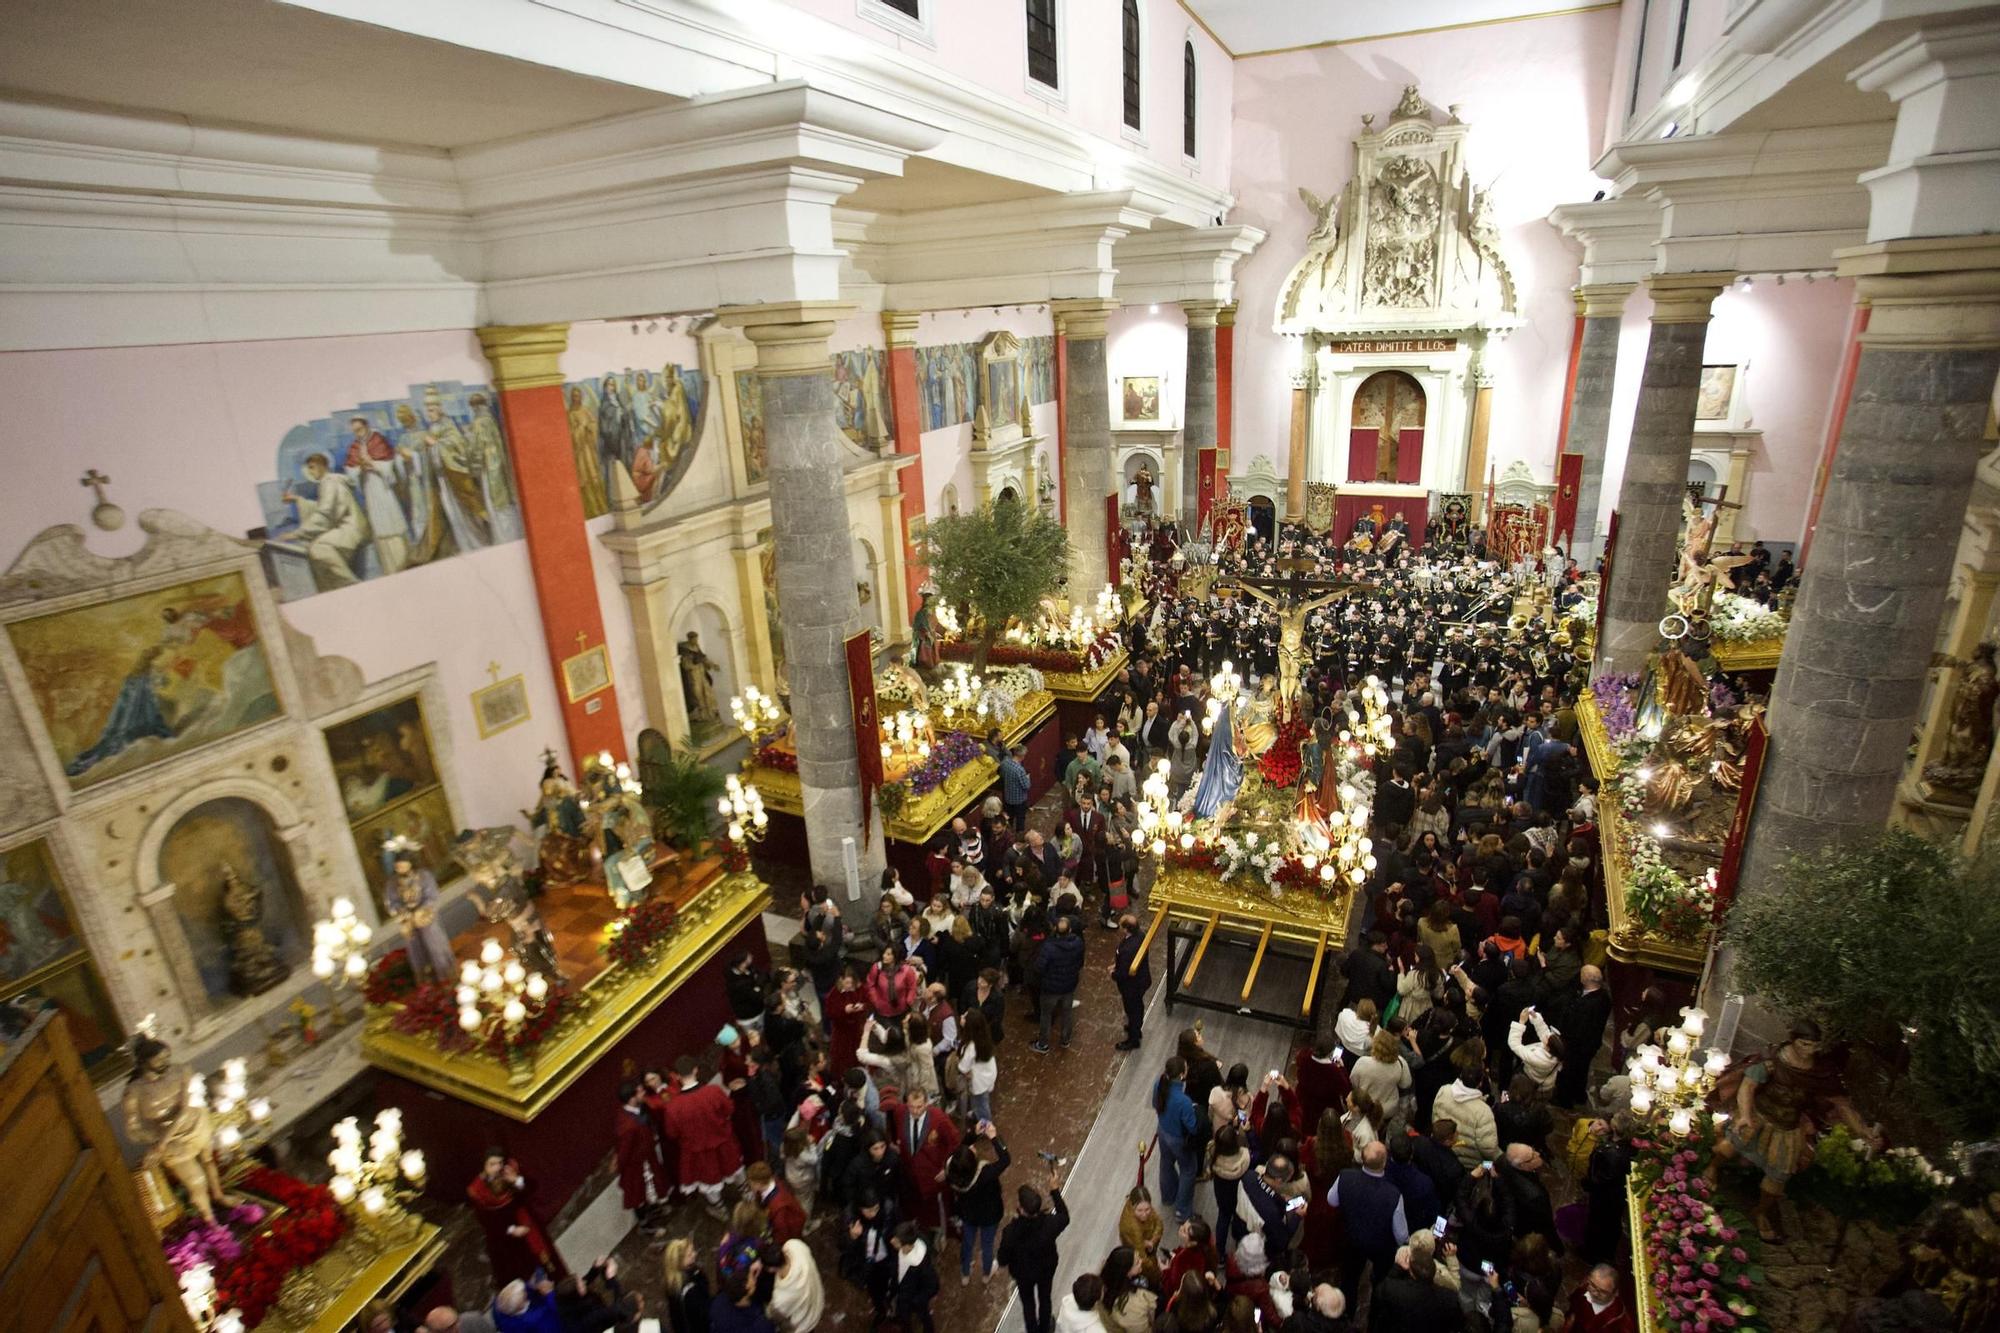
<point x="1090" y="826"/>
<point x="1132" y="984"/>
<point x="1581" y="1020"/>
<point x="1368" y="972"/>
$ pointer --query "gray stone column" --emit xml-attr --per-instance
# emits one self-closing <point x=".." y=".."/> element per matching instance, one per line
<point x="815" y="558"/>
<point x="1601" y="306"/>
<point x="1087" y="457"/>
<point x="1850" y="687"/>
<point x="1656" y="467"/>
<point x="1198" y="427"/>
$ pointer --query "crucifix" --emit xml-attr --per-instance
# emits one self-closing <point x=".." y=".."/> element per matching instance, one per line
<point x="582" y="639"/>
<point x="1296" y="596"/>
<point x="493" y="670"/>
<point x="1701" y="572"/>
<point x="96" y="481"/>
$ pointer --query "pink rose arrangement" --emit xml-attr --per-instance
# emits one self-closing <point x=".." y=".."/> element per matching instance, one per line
<point x="1702" y="1269"/>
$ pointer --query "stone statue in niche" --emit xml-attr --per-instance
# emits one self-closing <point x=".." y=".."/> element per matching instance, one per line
<point x="411" y="892"/>
<point x="254" y="966"/>
<point x="698" y="685"/>
<point x="173" y="1126"/>
<point x="1969" y="738"/>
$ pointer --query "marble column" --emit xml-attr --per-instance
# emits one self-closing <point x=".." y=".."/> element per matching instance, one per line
<point x="1298" y="442"/>
<point x="815" y="559"/>
<point x="1601" y="307"/>
<point x="1656" y="467"/>
<point x="1087" y="455"/>
<point x="1850" y="687"/>
<point x="1198" y="429"/>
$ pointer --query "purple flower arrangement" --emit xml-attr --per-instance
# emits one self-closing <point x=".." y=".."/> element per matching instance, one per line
<point x="1701" y="1268"/>
<point x="1615" y="696"/>
<point x="949" y="753"/>
<point x="212" y="1243"/>
<point x="1722" y="699"/>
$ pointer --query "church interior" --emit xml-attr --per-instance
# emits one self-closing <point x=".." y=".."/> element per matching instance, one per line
<point x="540" y="533"/>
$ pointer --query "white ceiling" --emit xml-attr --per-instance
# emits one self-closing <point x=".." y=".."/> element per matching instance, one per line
<point x="1247" y="27"/>
<point x="256" y="62"/>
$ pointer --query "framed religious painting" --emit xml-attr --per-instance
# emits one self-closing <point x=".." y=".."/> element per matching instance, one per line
<point x="588" y="673"/>
<point x="381" y="757"/>
<point x="132" y="681"/>
<point x="1139" y="399"/>
<point x="425" y="817"/>
<point x="45" y="961"/>
<point x="1716" y="400"/>
<point x="500" y="705"/>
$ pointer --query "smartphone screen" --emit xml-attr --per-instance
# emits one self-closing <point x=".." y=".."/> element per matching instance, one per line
<point x="1438" y="1227"/>
<point x="1485" y="1265"/>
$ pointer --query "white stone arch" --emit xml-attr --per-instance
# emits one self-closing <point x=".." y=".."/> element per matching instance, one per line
<point x="157" y="894"/>
<point x="868" y="574"/>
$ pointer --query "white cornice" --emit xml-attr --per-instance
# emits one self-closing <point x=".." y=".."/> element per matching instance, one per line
<point x="1182" y="263"/>
<point x="1618" y="236"/>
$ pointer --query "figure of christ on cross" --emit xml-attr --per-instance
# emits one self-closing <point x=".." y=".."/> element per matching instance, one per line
<point x="1293" y="597"/>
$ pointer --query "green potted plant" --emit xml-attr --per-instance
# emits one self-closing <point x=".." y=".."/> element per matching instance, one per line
<point x="681" y="792"/>
<point x="997" y="562"/>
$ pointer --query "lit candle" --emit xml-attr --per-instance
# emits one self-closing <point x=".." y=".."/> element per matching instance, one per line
<point x="514" y="972"/>
<point x="228" y="1136"/>
<point x="413" y="1166"/>
<point x="342" y="909"/>
<point x="1642" y="1099"/>
<point x="468" y="1018"/>
<point x="357" y="966"/>
<point x="514" y="1012"/>
<point x="322" y="966"/>
<point x="1680" y="1122"/>
<point x="538" y="988"/>
<point x="372" y="1199"/>
<point x="260" y="1109"/>
<point x="490" y="952"/>
<point x="468" y="973"/>
<point x="1717" y="1062"/>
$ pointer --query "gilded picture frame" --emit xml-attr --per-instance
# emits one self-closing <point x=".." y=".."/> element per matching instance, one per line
<point x="587" y="673"/>
<point x="501" y="705"/>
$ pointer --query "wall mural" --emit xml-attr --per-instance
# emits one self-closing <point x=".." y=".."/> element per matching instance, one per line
<point x="649" y="420"/>
<point x="861" y="396"/>
<point x="948" y="380"/>
<point x="375" y="489"/>
<point x="750" y="413"/>
<point x="767" y="563"/>
<point x="135" y="680"/>
<point x="1038" y="368"/>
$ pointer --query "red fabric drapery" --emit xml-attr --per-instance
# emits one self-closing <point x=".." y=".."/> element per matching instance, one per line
<point x="1362" y="446"/>
<point x="1410" y="456"/>
<point x="1348" y="509"/>
<point x="867" y="738"/>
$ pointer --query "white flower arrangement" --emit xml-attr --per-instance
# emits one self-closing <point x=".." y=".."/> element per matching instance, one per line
<point x="1253" y="855"/>
<point x="1658" y="895"/>
<point x="1737" y="619"/>
<point x="1005" y="687"/>
<point x="1913" y="1165"/>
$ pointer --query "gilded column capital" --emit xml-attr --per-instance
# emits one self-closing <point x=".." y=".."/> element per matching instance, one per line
<point x="1940" y="291"/>
<point x="1225" y="318"/>
<point x="1601" y="299"/>
<point x="1685" y="298"/>
<point x="525" y="356"/>
<point x="1202" y="314"/>
<point x="1084" y="317"/>
<point x="790" y="336"/>
<point x="900" y="327"/>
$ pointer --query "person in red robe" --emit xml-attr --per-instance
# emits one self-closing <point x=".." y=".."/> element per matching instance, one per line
<point x="641" y="1176"/>
<point x="847" y="1009"/>
<point x="1600" y="1306"/>
<point x="700" y="1123"/>
<point x="733" y="1063"/>
<point x="655" y="1092"/>
<point x="784" y="1216"/>
<point x="926" y="1138"/>
<point x="516" y="1244"/>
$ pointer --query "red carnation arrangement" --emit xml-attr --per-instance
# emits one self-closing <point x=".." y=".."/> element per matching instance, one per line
<point x="645" y="928"/>
<point x="536" y="1027"/>
<point x="777" y="760"/>
<point x="1205" y="857"/>
<point x="310" y="1225"/>
<point x="1001" y="654"/>
<point x="1280" y="764"/>
<point x="391" y="980"/>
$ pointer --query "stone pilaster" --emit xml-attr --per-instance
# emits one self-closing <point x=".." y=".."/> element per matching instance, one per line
<point x="1198" y="429"/>
<point x="1297" y="439"/>
<point x="1850" y="688"/>
<point x="1087" y="453"/>
<point x="1601" y="306"/>
<point x="815" y="558"/>
<point x="1656" y="467"/>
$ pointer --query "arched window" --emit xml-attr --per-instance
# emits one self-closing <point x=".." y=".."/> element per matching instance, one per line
<point x="1187" y="98"/>
<point x="1131" y="48"/>
<point x="1043" y="65"/>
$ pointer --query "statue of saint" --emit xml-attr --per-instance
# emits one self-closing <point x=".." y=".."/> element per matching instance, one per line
<point x="502" y="899"/>
<point x="924" y="635"/>
<point x="1969" y="738"/>
<point x="558" y="819"/>
<point x="174" y="1130"/>
<point x="254" y="966"/>
<point x="698" y="684"/>
<point x="1142" y="490"/>
<point x="411" y="893"/>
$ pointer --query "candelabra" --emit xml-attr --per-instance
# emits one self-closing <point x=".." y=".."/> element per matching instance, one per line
<point x="1337" y="847"/>
<point x="1110" y="607"/>
<point x="371" y="1187"/>
<point x="1158" y="820"/>
<point x="1671" y="1082"/>
<point x="961" y="696"/>
<point x="906" y="735"/>
<point x="1223" y="687"/>
<point x="743" y="807"/>
<point x="755" y="712"/>
<point x="198" y="1295"/>
<point x="497" y="990"/>
<point x="609" y="779"/>
<point x="239" y="1119"/>
<point x="1369" y="729"/>
<point x="340" y="949"/>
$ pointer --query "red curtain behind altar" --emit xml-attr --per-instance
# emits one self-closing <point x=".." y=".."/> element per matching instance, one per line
<point x="1348" y="509"/>
<point x="1362" y="445"/>
<point x="1410" y="457"/>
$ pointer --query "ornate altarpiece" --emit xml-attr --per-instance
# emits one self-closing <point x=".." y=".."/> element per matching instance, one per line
<point x="1402" y="271"/>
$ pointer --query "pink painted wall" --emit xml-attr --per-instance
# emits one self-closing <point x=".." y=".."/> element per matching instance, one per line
<point x="1791" y="338"/>
<point x="1534" y="94"/>
<point x="1149" y="340"/>
<point x="194" y="427"/>
<point x="984" y="42"/>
